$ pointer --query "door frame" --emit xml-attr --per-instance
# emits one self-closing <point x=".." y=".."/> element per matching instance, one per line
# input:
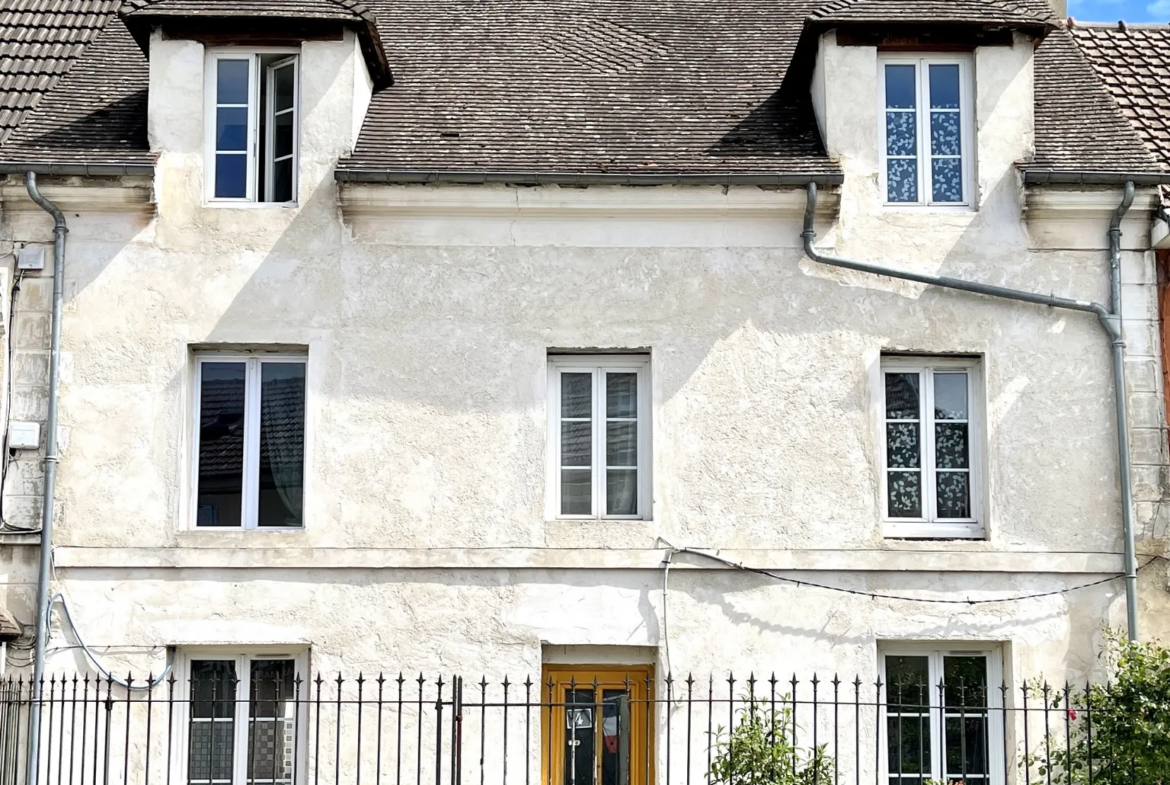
<point x="556" y="678"/>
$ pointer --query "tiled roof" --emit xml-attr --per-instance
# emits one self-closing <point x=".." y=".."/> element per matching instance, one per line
<point x="1134" y="64"/>
<point x="98" y="112"/>
<point x="571" y="89"/>
<point x="610" y="87"/>
<point x="39" y="41"/>
<point x="1078" y="125"/>
<point x="1028" y="12"/>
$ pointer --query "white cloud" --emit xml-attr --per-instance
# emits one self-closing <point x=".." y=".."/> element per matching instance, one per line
<point x="1159" y="8"/>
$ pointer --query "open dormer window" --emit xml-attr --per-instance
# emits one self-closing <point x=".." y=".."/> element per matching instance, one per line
<point x="252" y="117"/>
<point x="926" y="130"/>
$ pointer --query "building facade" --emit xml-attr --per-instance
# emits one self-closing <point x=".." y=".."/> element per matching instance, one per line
<point x="484" y="340"/>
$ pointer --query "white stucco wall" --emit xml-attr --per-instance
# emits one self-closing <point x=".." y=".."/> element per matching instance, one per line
<point x="428" y="314"/>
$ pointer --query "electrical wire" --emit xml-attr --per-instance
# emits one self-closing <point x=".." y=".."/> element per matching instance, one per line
<point x="59" y="599"/>
<point x="903" y="598"/>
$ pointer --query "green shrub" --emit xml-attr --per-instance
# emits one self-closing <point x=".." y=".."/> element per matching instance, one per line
<point x="759" y="751"/>
<point x="1119" y="731"/>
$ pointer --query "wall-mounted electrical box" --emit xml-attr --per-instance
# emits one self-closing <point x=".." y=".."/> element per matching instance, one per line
<point x="30" y="258"/>
<point x="24" y="435"/>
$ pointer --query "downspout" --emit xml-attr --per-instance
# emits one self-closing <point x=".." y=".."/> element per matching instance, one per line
<point x="46" y="566"/>
<point x="1109" y="319"/>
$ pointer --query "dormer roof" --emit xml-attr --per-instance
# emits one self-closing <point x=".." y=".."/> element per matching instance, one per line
<point x="141" y="15"/>
<point x="1002" y="13"/>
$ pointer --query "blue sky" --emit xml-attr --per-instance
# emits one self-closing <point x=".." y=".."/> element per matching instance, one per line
<point x="1112" y="10"/>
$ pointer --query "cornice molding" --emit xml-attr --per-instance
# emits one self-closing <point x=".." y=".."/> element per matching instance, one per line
<point x="124" y="198"/>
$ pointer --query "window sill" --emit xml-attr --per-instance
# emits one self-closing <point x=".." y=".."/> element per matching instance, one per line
<point x="228" y="205"/>
<point x="908" y="530"/>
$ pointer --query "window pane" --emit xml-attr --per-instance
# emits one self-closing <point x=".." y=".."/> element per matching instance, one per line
<point x="900" y="87"/>
<point x="621" y="443"/>
<point x="621" y="395"/>
<point x="947" y="180"/>
<point x="945" y="138"/>
<point x="621" y="492"/>
<point x="610" y="744"/>
<point x="576" y="492"/>
<point x="211" y="729"/>
<point x="944" y="86"/>
<point x="901" y="133"/>
<point x="909" y="745"/>
<point x="950" y="445"/>
<point x="284" y="87"/>
<point x="231" y="82"/>
<point x="902" y="446"/>
<point x="966" y="682"/>
<point x="282" y="134"/>
<point x="966" y="743"/>
<point x="576" y="443"/>
<point x="282" y="189"/>
<point x="905" y="494"/>
<point x="271" y="724"/>
<point x="907" y="682"/>
<point x="580" y="739"/>
<point x="231" y="176"/>
<point x="221" y="444"/>
<point x="902" y="180"/>
<point x="577" y="395"/>
<point x="954" y="495"/>
<point x="902" y="396"/>
<point x="908" y="710"/>
<point x="282" y="444"/>
<point x="950" y="396"/>
<point x="231" y="128"/>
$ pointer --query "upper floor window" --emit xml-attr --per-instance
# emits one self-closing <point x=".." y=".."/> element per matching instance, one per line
<point x="252" y="119"/>
<point x="926" y="130"/>
<point x="249" y="441"/>
<point x="599" y="435"/>
<point x="929" y="450"/>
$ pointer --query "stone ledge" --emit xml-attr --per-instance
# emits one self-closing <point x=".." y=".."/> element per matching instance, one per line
<point x="960" y="558"/>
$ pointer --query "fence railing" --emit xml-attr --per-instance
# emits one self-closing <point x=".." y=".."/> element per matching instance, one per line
<point x="256" y="722"/>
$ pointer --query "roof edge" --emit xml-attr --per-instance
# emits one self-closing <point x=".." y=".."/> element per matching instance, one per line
<point x="138" y="17"/>
<point x="408" y="176"/>
<point x="1082" y="177"/>
<point x="84" y="169"/>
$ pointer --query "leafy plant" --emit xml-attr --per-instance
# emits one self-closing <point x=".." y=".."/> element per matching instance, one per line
<point x="1118" y="731"/>
<point x="759" y="751"/>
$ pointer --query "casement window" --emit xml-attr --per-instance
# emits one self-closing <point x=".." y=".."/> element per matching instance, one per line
<point x="596" y="725"/>
<point x="249" y="439"/>
<point x="930" y="439"/>
<point x="599" y="436"/>
<point x="944" y="716"/>
<point x="245" y="719"/>
<point x="253" y="119"/>
<point x="926" y="130"/>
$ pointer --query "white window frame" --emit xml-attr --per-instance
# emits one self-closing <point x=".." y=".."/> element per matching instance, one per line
<point x="252" y="389"/>
<point x="253" y="55"/>
<point x="929" y="526"/>
<point x="935" y="652"/>
<point x="598" y="365"/>
<point x="922" y="103"/>
<point x="242" y="657"/>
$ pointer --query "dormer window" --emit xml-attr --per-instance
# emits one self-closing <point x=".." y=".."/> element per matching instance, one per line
<point x="252" y="117"/>
<point x="926" y="134"/>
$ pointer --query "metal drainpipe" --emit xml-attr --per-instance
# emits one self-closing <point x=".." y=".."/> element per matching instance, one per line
<point x="42" y="622"/>
<point x="1109" y="319"/>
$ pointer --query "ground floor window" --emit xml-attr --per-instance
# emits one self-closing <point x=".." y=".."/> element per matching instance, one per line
<point x="944" y="716"/>
<point x="597" y="725"/>
<point x="243" y="721"/>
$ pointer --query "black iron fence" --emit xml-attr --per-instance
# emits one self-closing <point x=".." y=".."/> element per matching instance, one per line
<point x="256" y="722"/>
